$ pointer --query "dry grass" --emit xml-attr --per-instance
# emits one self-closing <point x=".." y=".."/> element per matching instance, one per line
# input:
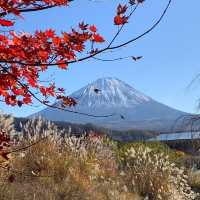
<point x="153" y="175"/>
<point x="87" y="168"/>
<point x="80" y="168"/>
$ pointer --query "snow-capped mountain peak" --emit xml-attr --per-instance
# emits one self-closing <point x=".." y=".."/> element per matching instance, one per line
<point x="107" y="96"/>
<point x="109" y="92"/>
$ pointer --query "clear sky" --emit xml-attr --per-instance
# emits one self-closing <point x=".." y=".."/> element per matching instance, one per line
<point x="171" y="52"/>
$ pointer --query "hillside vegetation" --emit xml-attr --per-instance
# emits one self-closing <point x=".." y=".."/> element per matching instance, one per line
<point x="80" y="129"/>
<point x="47" y="163"/>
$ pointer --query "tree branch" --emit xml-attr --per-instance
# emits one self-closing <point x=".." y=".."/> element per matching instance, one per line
<point x="101" y="50"/>
<point x="52" y="106"/>
<point x="31" y="9"/>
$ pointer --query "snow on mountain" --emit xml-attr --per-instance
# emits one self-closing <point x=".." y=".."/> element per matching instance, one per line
<point x="113" y="93"/>
<point x="108" y="96"/>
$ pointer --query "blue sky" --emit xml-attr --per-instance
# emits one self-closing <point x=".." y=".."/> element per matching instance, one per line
<point x="171" y="51"/>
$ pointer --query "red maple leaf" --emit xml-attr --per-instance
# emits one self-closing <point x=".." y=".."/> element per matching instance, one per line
<point x="93" y="28"/>
<point x="120" y="20"/>
<point x="98" y="38"/>
<point x="4" y="22"/>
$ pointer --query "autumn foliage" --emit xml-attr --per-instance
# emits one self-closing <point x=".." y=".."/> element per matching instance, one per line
<point x="24" y="56"/>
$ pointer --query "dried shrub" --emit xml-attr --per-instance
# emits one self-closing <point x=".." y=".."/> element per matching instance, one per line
<point x="154" y="176"/>
<point x="7" y="123"/>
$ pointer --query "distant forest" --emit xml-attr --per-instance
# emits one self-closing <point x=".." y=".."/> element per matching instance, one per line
<point x="80" y="129"/>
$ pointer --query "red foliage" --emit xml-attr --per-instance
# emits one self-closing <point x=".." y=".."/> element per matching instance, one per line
<point x="4" y="22"/>
<point x="23" y="56"/>
<point x="25" y="49"/>
<point x="120" y="18"/>
<point x="67" y="101"/>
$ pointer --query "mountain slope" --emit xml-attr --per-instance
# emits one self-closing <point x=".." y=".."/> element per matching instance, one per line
<point x="120" y="99"/>
<point x="113" y="93"/>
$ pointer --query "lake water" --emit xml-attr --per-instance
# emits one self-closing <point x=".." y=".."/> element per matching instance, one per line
<point x="177" y="136"/>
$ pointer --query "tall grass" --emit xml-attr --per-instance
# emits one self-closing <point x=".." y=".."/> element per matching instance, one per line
<point x="61" y="166"/>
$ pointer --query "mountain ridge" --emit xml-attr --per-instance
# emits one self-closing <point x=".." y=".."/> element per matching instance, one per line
<point x="139" y="111"/>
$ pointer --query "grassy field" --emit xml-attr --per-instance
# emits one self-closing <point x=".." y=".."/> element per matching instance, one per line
<point x="48" y="164"/>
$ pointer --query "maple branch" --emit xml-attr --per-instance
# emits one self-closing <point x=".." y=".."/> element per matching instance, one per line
<point x="146" y="32"/>
<point x="55" y="57"/>
<point x="121" y="28"/>
<point x="67" y="110"/>
<point x="28" y="10"/>
<point x="31" y="9"/>
<point x="52" y="106"/>
<point x="111" y="60"/>
<point x="130" y="41"/>
<point x="101" y="50"/>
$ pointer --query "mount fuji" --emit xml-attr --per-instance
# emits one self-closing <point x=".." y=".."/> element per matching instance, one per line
<point x="129" y="108"/>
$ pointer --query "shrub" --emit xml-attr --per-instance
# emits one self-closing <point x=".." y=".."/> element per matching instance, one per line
<point x="194" y="179"/>
<point x="7" y="123"/>
<point x="154" y="176"/>
<point x="156" y="148"/>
